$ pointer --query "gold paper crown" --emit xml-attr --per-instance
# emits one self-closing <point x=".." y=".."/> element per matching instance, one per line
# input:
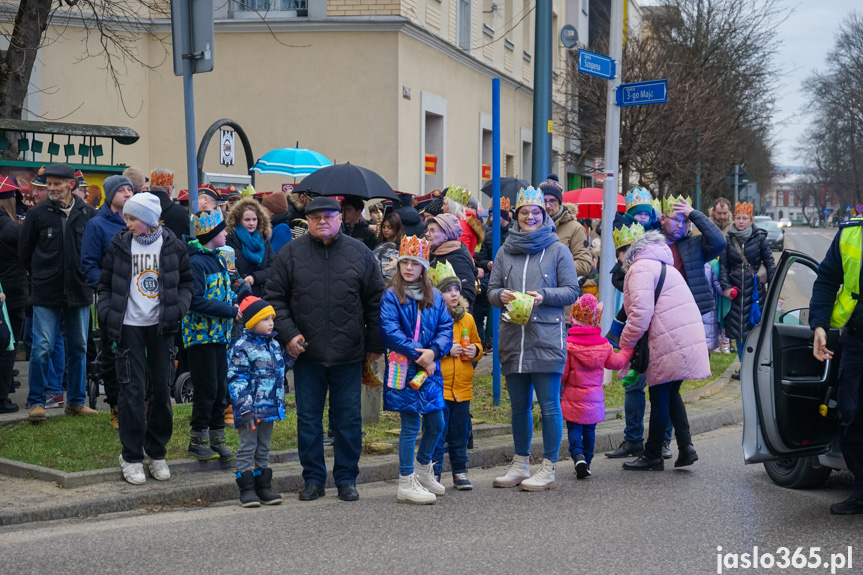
<point x="657" y="205"/>
<point x="638" y="196"/>
<point x="586" y="311"/>
<point x="458" y="195"/>
<point x="529" y="196"/>
<point x="206" y="221"/>
<point x="440" y="272"/>
<point x="504" y="204"/>
<point x="518" y="310"/>
<point x="162" y="178"/>
<point x="414" y="247"/>
<point x="743" y="209"/>
<point x="625" y="235"/>
<point x="669" y="201"/>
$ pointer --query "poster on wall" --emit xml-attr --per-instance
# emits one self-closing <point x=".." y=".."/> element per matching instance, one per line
<point x="31" y="195"/>
<point x="227" y="156"/>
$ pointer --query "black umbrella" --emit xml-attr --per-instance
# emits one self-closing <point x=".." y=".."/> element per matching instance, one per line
<point x="346" y="180"/>
<point x="509" y="188"/>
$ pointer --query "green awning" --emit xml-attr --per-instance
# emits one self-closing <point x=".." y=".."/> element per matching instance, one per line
<point x="121" y="135"/>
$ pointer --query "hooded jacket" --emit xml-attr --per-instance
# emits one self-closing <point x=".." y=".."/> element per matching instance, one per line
<point x="362" y="232"/>
<point x="572" y="235"/>
<point x="98" y="234"/>
<point x="676" y="338"/>
<point x="457" y="254"/>
<point x="256" y="377"/>
<point x="732" y="273"/>
<point x="695" y="251"/>
<point x="411" y="221"/>
<point x="212" y="310"/>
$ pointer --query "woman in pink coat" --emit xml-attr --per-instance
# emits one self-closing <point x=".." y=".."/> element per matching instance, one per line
<point x="676" y="341"/>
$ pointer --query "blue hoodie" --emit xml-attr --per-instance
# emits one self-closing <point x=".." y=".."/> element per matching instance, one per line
<point x="97" y="237"/>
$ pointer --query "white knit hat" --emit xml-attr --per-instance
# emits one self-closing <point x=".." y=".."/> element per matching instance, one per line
<point x="144" y="206"/>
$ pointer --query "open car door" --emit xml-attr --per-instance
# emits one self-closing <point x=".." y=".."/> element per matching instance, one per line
<point x="783" y="385"/>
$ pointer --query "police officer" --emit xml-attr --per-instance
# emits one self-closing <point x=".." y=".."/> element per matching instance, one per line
<point x="839" y="273"/>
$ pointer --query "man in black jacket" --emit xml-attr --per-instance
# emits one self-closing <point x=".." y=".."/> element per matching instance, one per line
<point x="326" y="290"/>
<point x="49" y="249"/>
<point x="354" y="225"/>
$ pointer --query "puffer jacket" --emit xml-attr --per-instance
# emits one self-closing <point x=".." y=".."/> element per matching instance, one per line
<point x="175" y="216"/>
<point x="115" y="282"/>
<point x="50" y="249"/>
<point x="695" y="251"/>
<point x="330" y="294"/>
<point x="12" y="272"/>
<point x="676" y="336"/>
<point x="98" y="234"/>
<point x="457" y="254"/>
<point x="539" y="346"/>
<point x="362" y="232"/>
<point x="246" y="268"/>
<point x="256" y="377"/>
<point x="397" y="326"/>
<point x="411" y="221"/>
<point x="588" y="355"/>
<point x="572" y="235"/>
<point x="458" y="373"/>
<point x="212" y="310"/>
<point x="732" y="273"/>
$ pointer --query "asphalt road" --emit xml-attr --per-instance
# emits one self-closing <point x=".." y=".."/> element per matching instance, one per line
<point x="812" y="241"/>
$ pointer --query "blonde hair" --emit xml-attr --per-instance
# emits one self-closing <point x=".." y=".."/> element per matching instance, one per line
<point x="8" y="204"/>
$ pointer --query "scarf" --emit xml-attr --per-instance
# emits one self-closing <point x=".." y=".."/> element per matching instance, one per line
<point x="459" y="310"/>
<point x="742" y="236"/>
<point x="147" y="239"/>
<point x="559" y="214"/>
<point x="253" y="245"/>
<point x="414" y="290"/>
<point x="520" y="243"/>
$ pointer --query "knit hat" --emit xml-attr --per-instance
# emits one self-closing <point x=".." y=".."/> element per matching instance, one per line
<point x="207" y="224"/>
<point x="144" y="206"/>
<point x="551" y="186"/>
<point x="414" y="248"/>
<point x="277" y="203"/>
<point x="112" y="184"/>
<point x="449" y="224"/>
<point x="434" y="207"/>
<point x="254" y="310"/>
<point x="586" y="311"/>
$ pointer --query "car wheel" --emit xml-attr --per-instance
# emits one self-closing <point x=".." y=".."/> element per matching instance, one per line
<point x="797" y="473"/>
<point x="183" y="392"/>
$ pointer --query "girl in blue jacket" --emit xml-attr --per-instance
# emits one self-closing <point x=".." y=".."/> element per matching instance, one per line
<point x="417" y="330"/>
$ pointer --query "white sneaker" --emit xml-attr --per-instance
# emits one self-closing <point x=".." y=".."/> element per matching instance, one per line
<point x="542" y="479"/>
<point x="426" y="477"/>
<point x="518" y="471"/>
<point x="133" y="472"/>
<point x="158" y="469"/>
<point x="410" y="491"/>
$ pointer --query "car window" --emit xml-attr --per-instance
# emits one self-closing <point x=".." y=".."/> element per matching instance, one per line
<point x="792" y="307"/>
<point x="768" y="226"/>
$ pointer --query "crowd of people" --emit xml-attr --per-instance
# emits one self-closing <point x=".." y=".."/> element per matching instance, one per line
<point x="251" y="285"/>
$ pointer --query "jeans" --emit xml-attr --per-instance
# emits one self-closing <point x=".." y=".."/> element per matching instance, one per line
<point x="520" y="387"/>
<point x="312" y="380"/>
<point x="432" y="424"/>
<point x="665" y="404"/>
<point x="144" y="359"/>
<point x="634" y="404"/>
<point x="46" y="324"/>
<point x="581" y="437"/>
<point x="456" y="429"/>
<point x="849" y="397"/>
<point x="208" y="368"/>
<point x="254" y="446"/>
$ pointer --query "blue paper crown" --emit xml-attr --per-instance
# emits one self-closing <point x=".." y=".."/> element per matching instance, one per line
<point x="206" y="221"/>
<point x="636" y="197"/>
<point x="529" y="196"/>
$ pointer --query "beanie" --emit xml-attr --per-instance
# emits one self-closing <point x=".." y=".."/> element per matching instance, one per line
<point x="551" y="186"/>
<point x="112" y="184"/>
<point x="254" y="310"/>
<point x="449" y="224"/>
<point x="144" y="206"/>
<point x="276" y="202"/>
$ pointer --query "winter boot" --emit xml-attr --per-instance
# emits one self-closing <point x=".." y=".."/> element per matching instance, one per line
<point x="199" y="446"/>
<point x="581" y="468"/>
<point x="518" y="471"/>
<point x="425" y="475"/>
<point x="686" y="456"/>
<point x="542" y="479"/>
<point x="217" y="444"/>
<point x="666" y="450"/>
<point x="248" y="496"/>
<point x="627" y="449"/>
<point x="263" y="487"/>
<point x="410" y="491"/>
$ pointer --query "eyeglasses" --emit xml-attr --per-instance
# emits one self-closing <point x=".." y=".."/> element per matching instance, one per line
<point x="329" y="218"/>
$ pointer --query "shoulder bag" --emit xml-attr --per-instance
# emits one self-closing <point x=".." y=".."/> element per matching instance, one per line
<point x="641" y="354"/>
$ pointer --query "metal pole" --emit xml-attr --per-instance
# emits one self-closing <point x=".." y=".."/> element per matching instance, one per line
<point x="495" y="233"/>
<point x="543" y="40"/>
<point x="612" y="151"/>
<point x="736" y="182"/>
<point x="189" y="112"/>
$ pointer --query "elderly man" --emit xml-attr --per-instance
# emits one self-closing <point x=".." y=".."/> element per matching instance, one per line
<point x="49" y="250"/>
<point x="208" y="198"/>
<point x="326" y="290"/>
<point x="568" y="230"/>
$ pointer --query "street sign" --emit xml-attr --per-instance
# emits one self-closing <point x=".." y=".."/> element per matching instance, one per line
<point x="192" y="31"/>
<point x="742" y="178"/>
<point x="641" y="93"/>
<point x="569" y="37"/>
<point x="595" y="65"/>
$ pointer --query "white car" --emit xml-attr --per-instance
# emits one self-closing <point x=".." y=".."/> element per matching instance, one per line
<point x="784" y="223"/>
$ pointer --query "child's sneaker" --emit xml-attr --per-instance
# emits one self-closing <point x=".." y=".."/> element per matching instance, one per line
<point x="158" y="469"/>
<point x="461" y="482"/>
<point x="133" y="472"/>
<point x="582" y="471"/>
<point x="53" y="401"/>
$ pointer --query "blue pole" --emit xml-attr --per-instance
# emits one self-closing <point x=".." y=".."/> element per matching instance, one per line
<point x="191" y="155"/>
<point x="495" y="234"/>
<point x="543" y="40"/>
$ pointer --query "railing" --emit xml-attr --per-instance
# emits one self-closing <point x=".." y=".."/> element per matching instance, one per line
<point x="270" y="5"/>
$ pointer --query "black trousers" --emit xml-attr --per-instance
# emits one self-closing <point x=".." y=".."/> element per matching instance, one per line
<point x="7" y="358"/>
<point x="208" y="367"/>
<point x="108" y="369"/>
<point x="665" y="403"/>
<point x="849" y="398"/>
<point x="144" y="360"/>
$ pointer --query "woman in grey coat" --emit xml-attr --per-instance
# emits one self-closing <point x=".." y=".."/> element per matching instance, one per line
<point x="533" y="356"/>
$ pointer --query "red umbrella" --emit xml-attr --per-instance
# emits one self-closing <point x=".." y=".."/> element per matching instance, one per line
<point x="589" y="202"/>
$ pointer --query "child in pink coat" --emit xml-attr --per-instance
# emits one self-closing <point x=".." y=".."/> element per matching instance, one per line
<point x="583" y="401"/>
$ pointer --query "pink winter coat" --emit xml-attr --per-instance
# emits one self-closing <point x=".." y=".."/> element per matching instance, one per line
<point x="677" y="343"/>
<point x="588" y="353"/>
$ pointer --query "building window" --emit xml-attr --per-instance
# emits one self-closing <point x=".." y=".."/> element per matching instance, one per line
<point x="269" y="5"/>
<point x="464" y="24"/>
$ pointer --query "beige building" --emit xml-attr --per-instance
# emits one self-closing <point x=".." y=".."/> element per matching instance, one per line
<point x="379" y="83"/>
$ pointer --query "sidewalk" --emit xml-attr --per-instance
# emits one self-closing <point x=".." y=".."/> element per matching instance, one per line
<point x="31" y="500"/>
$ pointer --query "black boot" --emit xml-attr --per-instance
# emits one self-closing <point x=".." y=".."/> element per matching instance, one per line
<point x="645" y="464"/>
<point x="627" y="449"/>
<point x="686" y="456"/>
<point x="246" y="483"/>
<point x="851" y="506"/>
<point x="199" y="446"/>
<point x="311" y="492"/>
<point x="263" y="487"/>
<point x="666" y="450"/>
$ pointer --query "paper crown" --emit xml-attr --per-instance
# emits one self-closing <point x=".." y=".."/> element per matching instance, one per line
<point x="414" y="247"/>
<point x="669" y="201"/>
<point x="458" y="195"/>
<point x="248" y="191"/>
<point x="205" y="222"/>
<point x="518" y="310"/>
<point x="638" y="196"/>
<point x="440" y="272"/>
<point x="229" y="258"/>
<point x="183" y="197"/>
<point x="657" y="205"/>
<point x="162" y="178"/>
<point x="625" y="235"/>
<point x="586" y="311"/>
<point x="504" y="204"/>
<point x="529" y="196"/>
<point x="743" y="209"/>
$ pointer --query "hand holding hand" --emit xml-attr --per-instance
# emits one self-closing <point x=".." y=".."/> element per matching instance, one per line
<point x="250" y="280"/>
<point x="296" y="346"/>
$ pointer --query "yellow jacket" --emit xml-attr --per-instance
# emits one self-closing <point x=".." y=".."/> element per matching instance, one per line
<point x="458" y="374"/>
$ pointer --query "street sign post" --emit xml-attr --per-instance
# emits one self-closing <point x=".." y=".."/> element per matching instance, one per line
<point x="596" y="65"/>
<point x="642" y="93"/>
<point x="738" y="177"/>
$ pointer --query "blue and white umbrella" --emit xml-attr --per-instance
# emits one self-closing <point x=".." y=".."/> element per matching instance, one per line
<point x="291" y="162"/>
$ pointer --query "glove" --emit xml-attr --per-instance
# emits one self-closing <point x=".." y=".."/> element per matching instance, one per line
<point x="630" y="378"/>
<point x="248" y="421"/>
<point x="734" y="293"/>
<point x="613" y="335"/>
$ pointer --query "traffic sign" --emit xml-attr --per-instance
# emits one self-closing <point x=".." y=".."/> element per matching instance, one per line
<point x="641" y="93"/>
<point x="742" y="178"/>
<point x="595" y="65"/>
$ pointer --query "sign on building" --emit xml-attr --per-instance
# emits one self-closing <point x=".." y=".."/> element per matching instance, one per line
<point x="431" y="164"/>
<point x="227" y="156"/>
